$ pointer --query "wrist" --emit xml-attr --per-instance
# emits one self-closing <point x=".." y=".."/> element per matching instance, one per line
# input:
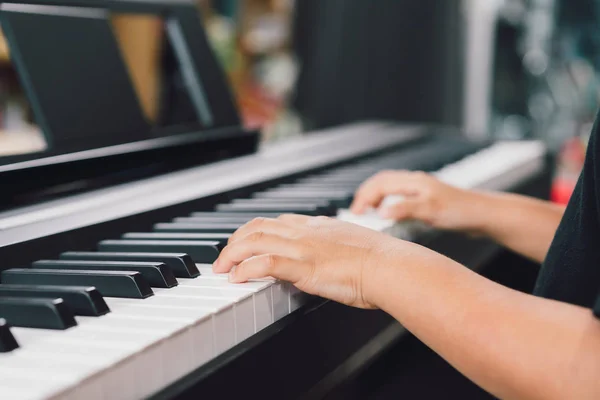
<point x="393" y="275"/>
<point x="479" y="207"/>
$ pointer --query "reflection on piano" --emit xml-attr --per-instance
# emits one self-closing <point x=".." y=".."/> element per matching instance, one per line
<point x="107" y="291"/>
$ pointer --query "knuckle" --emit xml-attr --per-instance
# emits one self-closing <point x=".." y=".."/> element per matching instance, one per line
<point x="258" y="221"/>
<point x="256" y="236"/>
<point x="271" y="262"/>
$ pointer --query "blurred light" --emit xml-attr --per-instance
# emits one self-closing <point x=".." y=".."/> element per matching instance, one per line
<point x="536" y="62"/>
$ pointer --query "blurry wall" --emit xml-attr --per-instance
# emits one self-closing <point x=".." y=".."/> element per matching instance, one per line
<point x="386" y="59"/>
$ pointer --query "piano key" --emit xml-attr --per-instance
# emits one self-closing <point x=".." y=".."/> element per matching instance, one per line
<point x="109" y="283"/>
<point x="216" y="237"/>
<point x="288" y="208"/>
<point x="36" y="313"/>
<point x="180" y="263"/>
<point x="249" y="312"/>
<point x="157" y="274"/>
<point x="334" y="180"/>
<point x="277" y="297"/>
<point x="35" y="383"/>
<point x="222" y="315"/>
<point x="248" y="215"/>
<point x="323" y="206"/>
<point x="234" y="315"/>
<point x="285" y="297"/>
<point x="337" y="200"/>
<point x="89" y="352"/>
<point x="215" y="220"/>
<point x="304" y="191"/>
<point x="188" y="337"/>
<point x="283" y="202"/>
<point x="319" y="186"/>
<point x="83" y="300"/>
<point x="266" y="303"/>
<point x="196" y="228"/>
<point x="199" y="251"/>
<point x="7" y="340"/>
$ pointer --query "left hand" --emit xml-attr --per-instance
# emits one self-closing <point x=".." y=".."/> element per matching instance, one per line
<point x="320" y="256"/>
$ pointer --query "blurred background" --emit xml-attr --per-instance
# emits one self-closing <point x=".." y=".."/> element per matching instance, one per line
<point x="506" y="69"/>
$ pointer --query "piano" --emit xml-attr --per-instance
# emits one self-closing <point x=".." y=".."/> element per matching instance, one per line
<point x="106" y="287"/>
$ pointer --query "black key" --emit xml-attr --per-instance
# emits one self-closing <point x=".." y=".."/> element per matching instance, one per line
<point x="196" y="228"/>
<point x="307" y="192"/>
<point x="181" y="264"/>
<point x="157" y="274"/>
<point x="274" y="208"/>
<point x="7" y="340"/>
<point x="284" y="202"/>
<point x="319" y="186"/>
<point x="200" y="251"/>
<point x="216" y="237"/>
<point x="82" y="300"/>
<point x="249" y="215"/>
<point x="109" y="283"/>
<point x="338" y="199"/>
<point x="36" y="313"/>
<point x="214" y="220"/>
<point x="335" y="180"/>
<point x="322" y="206"/>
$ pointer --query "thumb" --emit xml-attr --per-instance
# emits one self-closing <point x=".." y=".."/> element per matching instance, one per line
<point x="404" y="210"/>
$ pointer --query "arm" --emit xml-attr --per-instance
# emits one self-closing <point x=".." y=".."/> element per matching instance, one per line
<point x="511" y="344"/>
<point x="523" y="224"/>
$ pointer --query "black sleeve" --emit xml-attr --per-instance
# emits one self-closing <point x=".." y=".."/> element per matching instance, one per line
<point x="597" y="308"/>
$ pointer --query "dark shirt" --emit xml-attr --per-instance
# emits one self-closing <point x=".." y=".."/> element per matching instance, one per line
<point x="571" y="270"/>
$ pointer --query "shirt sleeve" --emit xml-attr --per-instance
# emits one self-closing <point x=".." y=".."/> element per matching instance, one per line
<point x="597" y="308"/>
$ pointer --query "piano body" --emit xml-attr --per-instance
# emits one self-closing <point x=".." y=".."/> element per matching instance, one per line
<point x="106" y="289"/>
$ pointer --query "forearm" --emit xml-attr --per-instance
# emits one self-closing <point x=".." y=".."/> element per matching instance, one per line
<point x="512" y="344"/>
<point x="522" y="224"/>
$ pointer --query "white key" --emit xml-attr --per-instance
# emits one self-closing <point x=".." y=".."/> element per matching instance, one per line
<point x="243" y="303"/>
<point x="222" y="311"/>
<point x="262" y="290"/>
<point x="280" y="298"/>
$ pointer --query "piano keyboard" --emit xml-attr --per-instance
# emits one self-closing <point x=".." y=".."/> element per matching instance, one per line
<point x="144" y="309"/>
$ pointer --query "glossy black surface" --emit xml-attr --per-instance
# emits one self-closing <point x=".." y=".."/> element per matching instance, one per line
<point x="180" y="263"/>
<point x="109" y="283"/>
<point x="36" y="313"/>
<point x="213" y="227"/>
<point x="201" y="251"/>
<point x="84" y="300"/>
<point x="213" y="237"/>
<point x="7" y="340"/>
<point x="157" y="274"/>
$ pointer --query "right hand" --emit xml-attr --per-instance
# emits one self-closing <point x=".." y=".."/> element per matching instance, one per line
<point x="425" y="199"/>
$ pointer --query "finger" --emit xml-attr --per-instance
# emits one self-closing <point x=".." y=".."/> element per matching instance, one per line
<point x="404" y="210"/>
<point x="372" y="193"/>
<point x="268" y="265"/>
<point x="265" y="225"/>
<point x="254" y="244"/>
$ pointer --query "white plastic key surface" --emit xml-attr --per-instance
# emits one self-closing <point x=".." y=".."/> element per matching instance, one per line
<point x="492" y="168"/>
